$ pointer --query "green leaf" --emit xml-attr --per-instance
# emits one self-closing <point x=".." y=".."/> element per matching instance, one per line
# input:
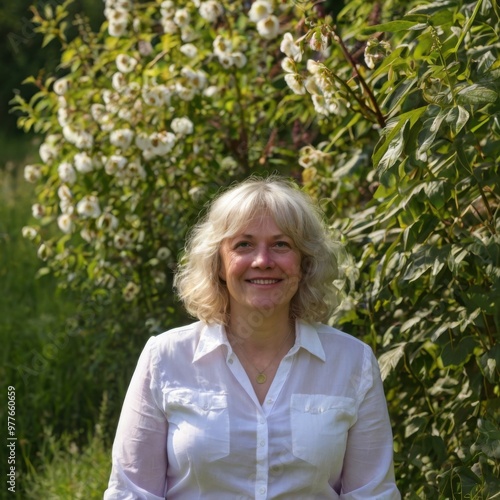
<point x="430" y="8"/>
<point x="457" y="354"/>
<point x="394" y="151"/>
<point x="391" y="27"/>
<point x="436" y="192"/>
<point x="477" y="94"/>
<point x="390" y="359"/>
<point x="490" y="364"/>
<point x="457" y="118"/>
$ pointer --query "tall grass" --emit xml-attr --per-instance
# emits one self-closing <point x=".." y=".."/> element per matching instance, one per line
<point x="57" y="392"/>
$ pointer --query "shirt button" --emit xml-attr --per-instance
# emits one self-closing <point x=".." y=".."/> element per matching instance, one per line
<point x="230" y="361"/>
<point x="262" y="490"/>
<point x="269" y="401"/>
<point x="262" y="443"/>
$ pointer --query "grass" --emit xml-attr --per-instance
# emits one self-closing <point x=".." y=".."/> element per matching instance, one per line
<point x="57" y="394"/>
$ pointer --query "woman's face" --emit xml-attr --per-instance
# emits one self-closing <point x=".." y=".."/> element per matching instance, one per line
<point x="261" y="267"/>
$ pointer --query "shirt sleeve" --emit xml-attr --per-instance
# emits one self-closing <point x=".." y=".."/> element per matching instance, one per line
<point x="368" y="471"/>
<point x="139" y="450"/>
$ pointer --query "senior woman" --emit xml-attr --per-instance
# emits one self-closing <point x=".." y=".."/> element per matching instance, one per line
<point x="257" y="399"/>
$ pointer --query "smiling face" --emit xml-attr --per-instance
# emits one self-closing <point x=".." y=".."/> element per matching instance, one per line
<point x="261" y="268"/>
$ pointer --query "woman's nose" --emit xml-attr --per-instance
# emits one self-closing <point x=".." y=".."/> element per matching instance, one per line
<point x="263" y="258"/>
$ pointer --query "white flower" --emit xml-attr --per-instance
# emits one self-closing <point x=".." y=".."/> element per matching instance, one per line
<point x="61" y="86"/>
<point x="88" y="206"/>
<point x="169" y="27"/>
<point x="28" y="232"/>
<point x="81" y="139"/>
<point x="318" y="41"/>
<point x="83" y="163"/>
<point x="210" y="10"/>
<point x="120" y="5"/>
<point x="97" y="111"/>
<point x="121" y="240"/>
<point x="167" y="9"/>
<point x="188" y="34"/>
<point x="43" y="252"/>
<point x="189" y="50"/>
<point x="163" y="253"/>
<point x="121" y="138"/>
<point x="269" y="27"/>
<point x="313" y="67"/>
<point x="261" y="9"/>
<point x="162" y="142"/>
<point x="142" y="141"/>
<point x="107" y="221"/>
<point x="135" y="170"/>
<point x="156" y="96"/>
<point x="66" y="207"/>
<point x="125" y="63"/>
<point x="182" y="126"/>
<point x="182" y="17"/>
<point x="118" y="28"/>
<point x="239" y="59"/>
<point x="312" y="86"/>
<point x="375" y="51"/>
<point x="63" y="115"/>
<point x="37" y="210"/>
<point x="131" y="291"/>
<point x="288" y="65"/>
<point x="294" y="81"/>
<point x="32" y="173"/>
<point x="211" y="91"/>
<point x="225" y="59"/>
<point x="48" y="152"/>
<point x="64" y="192"/>
<point x="87" y="234"/>
<point x="115" y="164"/>
<point x="196" y="78"/>
<point x="290" y="48"/>
<point x="84" y="140"/>
<point x="66" y="172"/>
<point x="65" y="223"/>
<point x="222" y="45"/>
<point x="118" y="81"/>
<point x="184" y="93"/>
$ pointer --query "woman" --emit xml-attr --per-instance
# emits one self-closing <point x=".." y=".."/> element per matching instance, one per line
<point x="257" y="399"/>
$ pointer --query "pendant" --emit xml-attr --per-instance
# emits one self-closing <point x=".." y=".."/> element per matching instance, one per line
<point x="261" y="378"/>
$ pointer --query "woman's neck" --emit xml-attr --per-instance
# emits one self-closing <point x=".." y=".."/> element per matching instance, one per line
<point x="260" y="333"/>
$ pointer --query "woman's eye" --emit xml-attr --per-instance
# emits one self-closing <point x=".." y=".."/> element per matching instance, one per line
<point x="242" y="244"/>
<point x="282" y="244"/>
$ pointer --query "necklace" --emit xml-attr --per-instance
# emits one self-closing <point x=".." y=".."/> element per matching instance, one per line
<point x="261" y="377"/>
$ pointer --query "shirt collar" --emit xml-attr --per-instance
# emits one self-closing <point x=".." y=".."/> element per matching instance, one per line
<point x="214" y="336"/>
<point x="308" y="338"/>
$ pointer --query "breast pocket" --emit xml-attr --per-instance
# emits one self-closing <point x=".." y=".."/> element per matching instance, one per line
<point x="320" y="425"/>
<point x="198" y="423"/>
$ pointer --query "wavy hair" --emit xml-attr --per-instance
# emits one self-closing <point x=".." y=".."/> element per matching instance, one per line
<point x="197" y="280"/>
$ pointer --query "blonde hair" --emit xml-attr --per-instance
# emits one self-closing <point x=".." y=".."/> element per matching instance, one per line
<point x="197" y="281"/>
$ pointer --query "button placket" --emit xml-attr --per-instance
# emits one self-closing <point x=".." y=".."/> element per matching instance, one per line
<point x="262" y="456"/>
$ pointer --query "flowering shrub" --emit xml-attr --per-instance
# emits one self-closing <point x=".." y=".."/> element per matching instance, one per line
<point x="160" y="108"/>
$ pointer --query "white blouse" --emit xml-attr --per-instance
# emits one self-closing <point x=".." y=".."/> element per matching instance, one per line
<point x="192" y="428"/>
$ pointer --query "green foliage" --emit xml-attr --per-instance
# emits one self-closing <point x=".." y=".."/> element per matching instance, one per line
<point x="71" y="472"/>
<point x="424" y="230"/>
<point x="393" y="114"/>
